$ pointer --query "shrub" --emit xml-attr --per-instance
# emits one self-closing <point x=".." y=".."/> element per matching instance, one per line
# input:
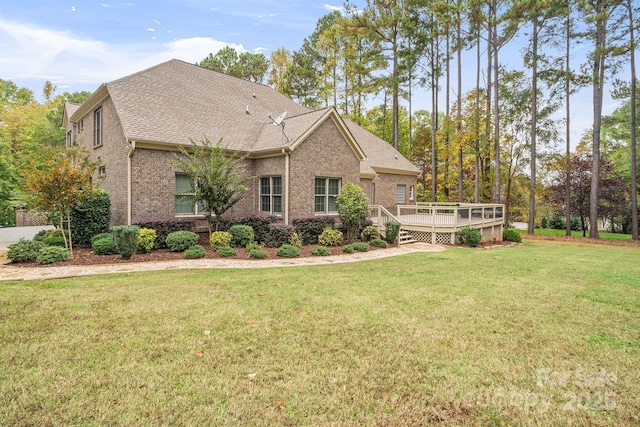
<point x="470" y="236"/>
<point x="353" y="208"/>
<point x="101" y="236"/>
<point x="348" y="249"/>
<point x="295" y="240"/>
<point x="179" y="241"/>
<point x="391" y="230"/>
<point x="330" y="237"/>
<point x="90" y="217"/>
<point x="369" y="233"/>
<point x="146" y="239"/>
<point x="511" y="235"/>
<point x="261" y="224"/>
<point x="104" y="246"/>
<point x="194" y="252"/>
<point x="320" y="251"/>
<point x="378" y="243"/>
<point x="279" y="234"/>
<point x="220" y="238"/>
<point x="258" y="253"/>
<point x="24" y="250"/>
<point x="560" y="223"/>
<point x="126" y="238"/>
<point x="51" y="254"/>
<point x="241" y="235"/>
<point x="310" y="228"/>
<point x="288" y="251"/>
<point x="53" y="241"/>
<point x="253" y="246"/>
<point x="52" y="237"/>
<point x="360" y="246"/>
<point x="225" y="251"/>
<point x="164" y="227"/>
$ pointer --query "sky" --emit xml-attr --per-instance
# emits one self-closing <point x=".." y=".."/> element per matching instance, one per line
<point x="81" y="44"/>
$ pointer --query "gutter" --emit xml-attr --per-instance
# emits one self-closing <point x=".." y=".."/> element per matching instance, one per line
<point x="132" y="149"/>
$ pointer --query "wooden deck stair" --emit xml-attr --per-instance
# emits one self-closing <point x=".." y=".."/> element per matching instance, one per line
<point x="405" y="238"/>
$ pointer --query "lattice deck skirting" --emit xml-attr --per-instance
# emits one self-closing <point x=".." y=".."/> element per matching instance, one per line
<point x="440" y="238"/>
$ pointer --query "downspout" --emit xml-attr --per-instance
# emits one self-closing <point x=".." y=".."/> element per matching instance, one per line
<point x="132" y="148"/>
<point x="287" y="156"/>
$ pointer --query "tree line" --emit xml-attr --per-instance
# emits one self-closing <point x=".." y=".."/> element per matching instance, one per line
<point x="506" y="139"/>
<point x="500" y="141"/>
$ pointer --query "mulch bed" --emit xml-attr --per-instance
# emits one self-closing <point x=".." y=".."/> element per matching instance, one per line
<point x="85" y="256"/>
<point x="611" y="242"/>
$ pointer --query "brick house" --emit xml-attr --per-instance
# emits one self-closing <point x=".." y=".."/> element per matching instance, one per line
<point x="134" y="126"/>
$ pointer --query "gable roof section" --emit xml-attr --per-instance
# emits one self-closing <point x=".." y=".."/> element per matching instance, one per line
<point x="381" y="156"/>
<point x="173" y="102"/>
<point x="69" y="109"/>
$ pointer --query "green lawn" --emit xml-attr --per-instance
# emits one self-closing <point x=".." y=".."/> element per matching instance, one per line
<point x="542" y="334"/>
<point x="602" y="234"/>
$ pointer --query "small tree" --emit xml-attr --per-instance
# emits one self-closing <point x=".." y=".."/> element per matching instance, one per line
<point x="218" y="179"/>
<point x="353" y="209"/>
<point x="56" y="181"/>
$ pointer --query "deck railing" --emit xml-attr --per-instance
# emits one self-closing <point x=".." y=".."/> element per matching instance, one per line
<point x="380" y="216"/>
<point x="450" y="215"/>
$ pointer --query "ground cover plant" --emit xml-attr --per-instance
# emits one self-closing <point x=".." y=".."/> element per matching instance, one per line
<point x="540" y="334"/>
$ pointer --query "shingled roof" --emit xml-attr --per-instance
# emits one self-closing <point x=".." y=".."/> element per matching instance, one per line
<point x="174" y="102"/>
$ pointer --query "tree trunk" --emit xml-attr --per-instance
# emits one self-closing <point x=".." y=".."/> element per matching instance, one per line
<point x="434" y="124"/>
<point x="567" y="95"/>
<point x="68" y="240"/>
<point x="496" y="114"/>
<point x="476" y="187"/>
<point x="395" y="104"/>
<point x="447" y="115"/>
<point x="459" y="112"/>
<point x="534" y="118"/>
<point x="633" y="142"/>
<point x="598" y="81"/>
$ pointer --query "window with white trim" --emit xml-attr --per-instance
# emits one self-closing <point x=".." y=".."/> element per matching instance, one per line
<point x="185" y="197"/>
<point x="97" y="127"/>
<point x="401" y="193"/>
<point x="69" y="138"/>
<point x="326" y="191"/>
<point x="271" y="194"/>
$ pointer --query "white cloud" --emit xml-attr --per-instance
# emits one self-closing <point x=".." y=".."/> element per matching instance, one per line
<point x="32" y="55"/>
<point x="260" y="49"/>
<point x="73" y="9"/>
<point x="156" y="22"/>
<point x="151" y="30"/>
<point x="330" y="7"/>
<point x="105" y="5"/>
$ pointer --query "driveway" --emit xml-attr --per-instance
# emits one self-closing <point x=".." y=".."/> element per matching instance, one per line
<point x="11" y="235"/>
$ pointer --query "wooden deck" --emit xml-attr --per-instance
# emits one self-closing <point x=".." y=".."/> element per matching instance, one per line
<point x="439" y="223"/>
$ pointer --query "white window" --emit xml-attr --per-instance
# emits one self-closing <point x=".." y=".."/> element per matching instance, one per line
<point x="271" y="194"/>
<point x="185" y="197"/>
<point x="97" y="127"/>
<point x="411" y="193"/>
<point x="102" y="171"/>
<point x="326" y="191"/>
<point x="401" y="192"/>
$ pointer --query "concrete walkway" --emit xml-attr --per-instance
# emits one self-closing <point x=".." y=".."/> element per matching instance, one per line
<point x="11" y="235"/>
<point x="15" y="272"/>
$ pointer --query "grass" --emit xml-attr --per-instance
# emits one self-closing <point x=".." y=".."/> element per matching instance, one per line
<point x="602" y="234"/>
<point x="541" y="334"/>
